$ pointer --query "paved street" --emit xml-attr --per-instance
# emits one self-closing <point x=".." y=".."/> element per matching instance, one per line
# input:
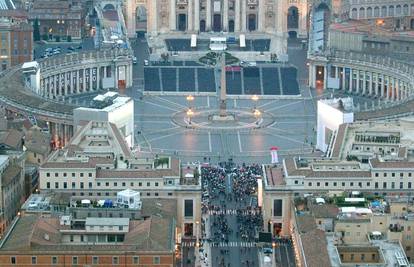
<point x="234" y="219"/>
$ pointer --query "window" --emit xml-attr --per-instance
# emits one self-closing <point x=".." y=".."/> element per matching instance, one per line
<point x="188" y="208"/>
<point x="359" y="184"/>
<point x="169" y="194"/>
<point x="73" y="185"/>
<point x="95" y="260"/>
<point x="368" y="184"/>
<point x="310" y="184"/>
<point x="13" y="260"/>
<point x="98" y="184"/>
<point x="90" y="174"/>
<point x="148" y="194"/>
<point x="81" y="185"/>
<point x="376" y="184"/>
<point x="156" y="194"/>
<point x="48" y="185"/>
<point x="376" y="174"/>
<point x="135" y="259"/>
<point x="74" y="260"/>
<point x="401" y="185"/>
<point x="392" y="185"/>
<point x="335" y="183"/>
<point x="73" y="174"/>
<point x="277" y="207"/>
<point x="384" y="185"/>
<point x="139" y="184"/>
<point x="362" y="257"/>
<point x="65" y="185"/>
<point x="71" y="238"/>
<point x="148" y="184"/>
<point x="318" y="184"/>
<point x="64" y="174"/>
<point x="47" y="174"/>
<point x="326" y="184"/>
<point x="385" y="174"/>
<point x="107" y="184"/>
<point x="115" y="184"/>
<point x="121" y="228"/>
<point x="401" y="174"/>
<point x="56" y="174"/>
<point x="156" y="260"/>
<point x="90" y="185"/>
<point x="156" y="184"/>
<point x="409" y="185"/>
<point x="351" y="184"/>
<point x="56" y="185"/>
<point x="34" y="260"/>
<point x="123" y="184"/>
<point x="115" y="260"/>
<point x="393" y="174"/>
<point x="343" y="184"/>
<point x="81" y="174"/>
<point x="54" y="260"/>
<point x="131" y="184"/>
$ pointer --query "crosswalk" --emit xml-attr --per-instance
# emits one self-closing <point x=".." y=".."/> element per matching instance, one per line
<point x="234" y="244"/>
<point x="232" y="212"/>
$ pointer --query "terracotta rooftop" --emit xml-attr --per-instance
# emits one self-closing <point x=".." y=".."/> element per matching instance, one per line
<point x="153" y="234"/>
<point x="339" y="140"/>
<point x="376" y="163"/>
<point x="315" y="248"/>
<point x="274" y="175"/>
<point x="10" y="174"/>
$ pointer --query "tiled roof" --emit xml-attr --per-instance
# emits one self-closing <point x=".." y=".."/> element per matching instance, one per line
<point x="339" y="140"/>
<point x="274" y="175"/>
<point x="10" y="173"/>
<point x="376" y="163"/>
<point x="11" y="138"/>
<point x="315" y="248"/>
<point x="33" y="233"/>
<point x="305" y="222"/>
<point x="324" y="211"/>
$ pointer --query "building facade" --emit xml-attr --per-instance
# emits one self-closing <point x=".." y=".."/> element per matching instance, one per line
<point x="193" y="16"/>
<point x="16" y="45"/>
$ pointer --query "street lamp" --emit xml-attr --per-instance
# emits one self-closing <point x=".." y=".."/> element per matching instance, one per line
<point x="189" y="114"/>
<point x="255" y="98"/>
<point x="257" y="113"/>
<point x="190" y="99"/>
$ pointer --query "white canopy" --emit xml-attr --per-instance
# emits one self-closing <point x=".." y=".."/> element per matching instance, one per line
<point x="86" y="202"/>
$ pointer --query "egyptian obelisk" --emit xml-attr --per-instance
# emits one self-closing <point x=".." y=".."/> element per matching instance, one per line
<point x="223" y="87"/>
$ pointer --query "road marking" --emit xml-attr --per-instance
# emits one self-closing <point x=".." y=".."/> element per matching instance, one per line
<point x="238" y="137"/>
<point x="282" y="106"/>
<point x="209" y="142"/>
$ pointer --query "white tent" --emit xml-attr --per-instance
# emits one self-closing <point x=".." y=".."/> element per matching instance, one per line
<point x="129" y="198"/>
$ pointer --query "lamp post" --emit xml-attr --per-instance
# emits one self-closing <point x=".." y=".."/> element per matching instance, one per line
<point x="190" y="99"/>
<point x="257" y="115"/>
<point x="197" y="234"/>
<point x="190" y="113"/>
<point x="255" y="98"/>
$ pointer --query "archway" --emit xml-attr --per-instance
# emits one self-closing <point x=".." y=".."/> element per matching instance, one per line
<point x="182" y="22"/>
<point x="293" y="34"/>
<point x="252" y="22"/>
<point x="109" y="7"/>
<point x="202" y="25"/>
<point x="231" y="25"/>
<point x="217" y="22"/>
<point x="293" y="18"/>
<point x="141" y="18"/>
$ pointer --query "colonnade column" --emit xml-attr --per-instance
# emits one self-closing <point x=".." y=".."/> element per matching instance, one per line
<point x="190" y="22"/>
<point x="325" y="77"/>
<point x="364" y="83"/>
<point x="90" y="79"/>
<point x="237" y="19"/>
<point x="351" y="84"/>
<point x="357" y="81"/>
<point x="197" y="15"/>
<point x="208" y="16"/>
<point x="382" y="85"/>
<point x="343" y="79"/>
<point x="261" y="18"/>
<point x="226" y="15"/>
<point x="173" y="16"/>
<point x="243" y="16"/>
<point x="72" y="90"/>
<point x="77" y="81"/>
<point x="83" y="81"/>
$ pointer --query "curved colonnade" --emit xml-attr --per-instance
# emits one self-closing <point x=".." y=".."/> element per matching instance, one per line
<point x="59" y="77"/>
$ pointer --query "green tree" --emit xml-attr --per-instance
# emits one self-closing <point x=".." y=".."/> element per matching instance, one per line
<point x="36" y="30"/>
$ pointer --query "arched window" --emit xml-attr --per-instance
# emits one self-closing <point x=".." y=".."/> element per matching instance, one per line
<point x="383" y="11"/>
<point x="398" y="10"/>
<point x="354" y="13"/>
<point x="405" y="10"/>
<point x="369" y="12"/>
<point x="391" y="11"/>
<point x="361" y="13"/>
<point x="376" y="12"/>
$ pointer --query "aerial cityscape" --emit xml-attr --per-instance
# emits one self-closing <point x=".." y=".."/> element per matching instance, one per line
<point x="207" y="133"/>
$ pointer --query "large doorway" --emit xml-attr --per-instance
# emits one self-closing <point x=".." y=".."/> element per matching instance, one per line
<point x="182" y="22"/>
<point x="217" y="22"/>
<point x="202" y="25"/>
<point x="320" y="77"/>
<point x="231" y="25"/>
<point x="141" y="18"/>
<point x="293" y="18"/>
<point x="252" y="22"/>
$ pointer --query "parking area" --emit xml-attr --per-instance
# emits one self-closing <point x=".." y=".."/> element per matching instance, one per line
<point x="43" y="49"/>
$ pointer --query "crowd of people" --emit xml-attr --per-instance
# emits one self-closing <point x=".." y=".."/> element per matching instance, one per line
<point x="229" y="192"/>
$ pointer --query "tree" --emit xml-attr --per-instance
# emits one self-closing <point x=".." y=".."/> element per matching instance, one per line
<point x="36" y="31"/>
